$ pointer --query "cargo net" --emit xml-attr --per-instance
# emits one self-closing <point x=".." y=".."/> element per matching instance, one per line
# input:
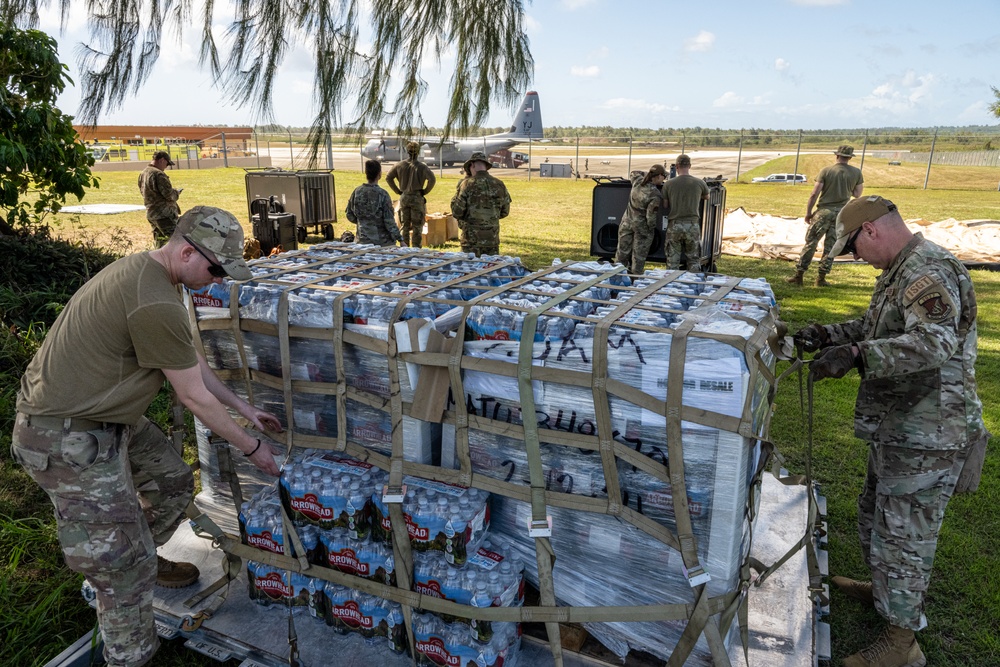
<point x="602" y="433"/>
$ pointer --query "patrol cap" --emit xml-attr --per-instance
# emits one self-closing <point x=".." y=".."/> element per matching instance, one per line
<point x="218" y="232"/>
<point x="412" y="147"/>
<point x="480" y="157"/>
<point x="845" y="151"/>
<point x="164" y="155"/>
<point x="856" y="213"/>
<point x="683" y="160"/>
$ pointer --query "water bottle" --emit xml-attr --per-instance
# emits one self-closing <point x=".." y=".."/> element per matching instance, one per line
<point x="455" y="534"/>
<point x="357" y="515"/>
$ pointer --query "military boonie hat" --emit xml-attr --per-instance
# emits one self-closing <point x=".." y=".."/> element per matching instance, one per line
<point x="845" y="151"/>
<point x="164" y="155"/>
<point x="856" y="213"/>
<point x="218" y="232"/>
<point x="683" y="160"/>
<point x="480" y="157"/>
<point x="412" y="147"/>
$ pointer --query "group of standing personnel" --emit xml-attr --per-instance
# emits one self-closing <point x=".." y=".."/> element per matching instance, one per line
<point x="682" y="195"/>
<point x="480" y="201"/>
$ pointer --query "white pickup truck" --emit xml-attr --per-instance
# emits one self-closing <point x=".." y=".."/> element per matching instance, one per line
<point x="781" y="178"/>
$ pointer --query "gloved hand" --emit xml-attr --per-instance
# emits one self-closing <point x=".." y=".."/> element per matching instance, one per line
<point x="812" y="337"/>
<point x="833" y="362"/>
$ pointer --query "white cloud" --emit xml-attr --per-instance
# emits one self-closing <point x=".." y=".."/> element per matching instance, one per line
<point x="781" y="64"/>
<point x="573" y="5"/>
<point x="703" y="41"/>
<point x="976" y="113"/>
<point x="632" y="104"/>
<point x="587" y="72"/>
<point x="728" y="99"/>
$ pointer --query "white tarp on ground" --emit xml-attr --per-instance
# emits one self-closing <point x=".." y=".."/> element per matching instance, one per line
<point x="102" y="209"/>
<point x="779" y="237"/>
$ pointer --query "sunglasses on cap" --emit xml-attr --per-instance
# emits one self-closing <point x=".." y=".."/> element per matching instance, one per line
<point x="214" y="269"/>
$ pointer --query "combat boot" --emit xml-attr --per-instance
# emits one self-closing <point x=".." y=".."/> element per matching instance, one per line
<point x="895" y="647"/>
<point x="821" y="280"/>
<point x="175" y="575"/>
<point x="796" y="279"/>
<point x="859" y="590"/>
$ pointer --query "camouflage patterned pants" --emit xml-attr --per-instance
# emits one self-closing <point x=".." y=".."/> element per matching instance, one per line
<point x="823" y="226"/>
<point x="634" y="242"/>
<point x="412" y="210"/>
<point x="899" y="516"/>
<point x="683" y="241"/>
<point x="480" y="237"/>
<point x="106" y="532"/>
<point x="163" y="228"/>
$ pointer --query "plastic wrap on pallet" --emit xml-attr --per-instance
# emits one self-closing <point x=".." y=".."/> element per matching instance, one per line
<point x="603" y="561"/>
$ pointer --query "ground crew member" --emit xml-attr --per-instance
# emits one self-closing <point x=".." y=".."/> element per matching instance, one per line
<point x="160" y="197"/>
<point x="478" y="206"/>
<point x="118" y="485"/>
<point x="683" y="194"/>
<point x="371" y="209"/>
<point x="834" y="188"/>
<point x="639" y="221"/>
<point x="412" y="180"/>
<point x="917" y="407"/>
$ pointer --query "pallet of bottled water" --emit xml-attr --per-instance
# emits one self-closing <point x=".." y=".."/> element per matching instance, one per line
<point x="478" y="381"/>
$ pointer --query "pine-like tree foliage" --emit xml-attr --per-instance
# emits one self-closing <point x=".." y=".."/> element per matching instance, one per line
<point x="493" y="61"/>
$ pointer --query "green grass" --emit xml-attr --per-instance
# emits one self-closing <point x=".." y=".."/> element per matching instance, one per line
<point x="551" y="218"/>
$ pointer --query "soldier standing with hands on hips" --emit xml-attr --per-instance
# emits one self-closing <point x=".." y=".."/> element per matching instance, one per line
<point x="917" y="408"/>
<point x="412" y="180"/>
<point x="118" y="485"/>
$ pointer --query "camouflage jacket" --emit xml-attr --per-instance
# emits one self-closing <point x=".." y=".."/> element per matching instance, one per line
<point x="918" y="351"/>
<point x="643" y="207"/>
<point x="158" y="194"/>
<point x="481" y="198"/>
<point x="371" y="208"/>
<point x="410" y="177"/>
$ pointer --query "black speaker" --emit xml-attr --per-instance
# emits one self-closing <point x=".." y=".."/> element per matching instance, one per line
<point x="609" y="201"/>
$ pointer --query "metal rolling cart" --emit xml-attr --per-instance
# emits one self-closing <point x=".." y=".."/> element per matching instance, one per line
<point x="308" y="195"/>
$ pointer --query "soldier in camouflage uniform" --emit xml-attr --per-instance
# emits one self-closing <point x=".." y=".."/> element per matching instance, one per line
<point x="118" y="485"/>
<point x="160" y="198"/>
<point x="412" y="180"/>
<point x="478" y="206"/>
<point x="834" y="187"/>
<point x="917" y="407"/>
<point x="371" y="209"/>
<point x="683" y="194"/>
<point x="638" y="223"/>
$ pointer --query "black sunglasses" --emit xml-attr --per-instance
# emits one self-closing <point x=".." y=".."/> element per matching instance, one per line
<point x="214" y="269"/>
<point x="849" y="246"/>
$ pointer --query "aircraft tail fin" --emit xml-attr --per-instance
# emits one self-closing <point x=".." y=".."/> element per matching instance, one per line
<point x="528" y="121"/>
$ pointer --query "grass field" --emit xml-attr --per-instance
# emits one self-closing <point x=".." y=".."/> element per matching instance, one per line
<point x="41" y="610"/>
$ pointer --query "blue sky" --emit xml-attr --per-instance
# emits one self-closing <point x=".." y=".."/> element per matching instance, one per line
<point x="784" y="64"/>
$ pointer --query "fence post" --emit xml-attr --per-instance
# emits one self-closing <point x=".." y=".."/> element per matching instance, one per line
<point x="329" y="152"/>
<point x="864" y="147"/>
<point x="577" y="157"/>
<point x="291" y="150"/>
<point x="798" y="149"/>
<point x="530" y="160"/>
<point x="683" y="141"/>
<point x="256" y="145"/>
<point x="225" y="152"/>
<point x="628" y="171"/>
<point x="930" y="158"/>
<point x="739" y="157"/>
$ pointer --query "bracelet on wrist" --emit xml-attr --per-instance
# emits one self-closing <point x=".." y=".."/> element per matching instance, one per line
<point x="249" y="454"/>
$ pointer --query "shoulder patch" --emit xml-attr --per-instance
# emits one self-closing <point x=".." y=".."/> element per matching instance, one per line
<point x="936" y="304"/>
<point x="917" y="287"/>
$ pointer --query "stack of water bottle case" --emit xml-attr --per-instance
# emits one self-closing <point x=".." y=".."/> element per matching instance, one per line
<point x="406" y="376"/>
